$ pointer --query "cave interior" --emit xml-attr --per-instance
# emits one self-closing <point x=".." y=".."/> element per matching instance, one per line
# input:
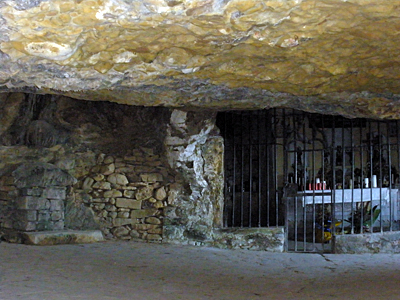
<point x="198" y="177"/>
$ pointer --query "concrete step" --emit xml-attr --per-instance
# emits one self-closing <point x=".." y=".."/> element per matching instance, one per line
<point x="45" y="238"/>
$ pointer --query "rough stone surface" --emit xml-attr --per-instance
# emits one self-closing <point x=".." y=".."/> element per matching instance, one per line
<point x="33" y="197"/>
<point x="128" y="203"/>
<point x="144" y="193"/>
<point x="155" y="237"/>
<point x="118" y="179"/>
<point x="32" y="203"/>
<point x="129" y="194"/>
<point x="196" y="207"/>
<point x="54" y="193"/>
<point x="107" y="169"/>
<point x="108" y="147"/>
<point x="79" y="217"/>
<point x="138" y="214"/>
<point x="112" y="193"/>
<point x="153" y="220"/>
<point x="386" y="242"/>
<point x="151" y="177"/>
<point x="264" y="239"/>
<point x="102" y="185"/>
<point x="160" y="194"/>
<point x="330" y="55"/>
<point x="41" y="175"/>
<point x="123" y="221"/>
<point x="87" y="184"/>
<point x="62" y="237"/>
<point x="120" y="232"/>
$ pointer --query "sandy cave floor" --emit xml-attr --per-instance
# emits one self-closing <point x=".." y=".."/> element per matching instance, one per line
<point x="129" y="270"/>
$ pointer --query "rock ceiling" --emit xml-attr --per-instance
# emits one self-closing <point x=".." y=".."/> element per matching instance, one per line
<point x="326" y="56"/>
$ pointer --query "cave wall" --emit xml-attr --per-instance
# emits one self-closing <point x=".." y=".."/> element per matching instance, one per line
<point x="114" y="152"/>
<point x="139" y="173"/>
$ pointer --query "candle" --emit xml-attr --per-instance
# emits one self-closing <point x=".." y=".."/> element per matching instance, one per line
<point x="366" y="182"/>
<point x="374" y="182"/>
<point x="350" y="183"/>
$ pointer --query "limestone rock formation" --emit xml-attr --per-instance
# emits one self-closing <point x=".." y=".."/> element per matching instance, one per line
<point x="195" y="151"/>
<point x="331" y="56"/>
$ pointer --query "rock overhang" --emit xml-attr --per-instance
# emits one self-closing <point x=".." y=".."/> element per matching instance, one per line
<point x="330" y="56"/>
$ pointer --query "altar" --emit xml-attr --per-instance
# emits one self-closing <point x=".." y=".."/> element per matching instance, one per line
<point x="343" y="199"/>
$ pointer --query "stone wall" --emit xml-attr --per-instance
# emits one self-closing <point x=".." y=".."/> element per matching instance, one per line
<point x="127" y="194"/>
<point x="32" y="197"/>
<point x="8" y="191"/>
<point x="114" y="151"/>
<point x="18" y="194"/>
<point x="123" y="195"/>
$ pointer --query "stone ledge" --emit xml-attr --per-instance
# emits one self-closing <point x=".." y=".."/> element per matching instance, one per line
<point x="380" y="242"/>
<point x="260" y="239"/>
<point x="61" y="237"/>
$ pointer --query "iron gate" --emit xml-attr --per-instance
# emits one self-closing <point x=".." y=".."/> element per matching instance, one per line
<point x="342" y="178"/>
<point x="318" y="175"/>
<point x="251" y="169"/>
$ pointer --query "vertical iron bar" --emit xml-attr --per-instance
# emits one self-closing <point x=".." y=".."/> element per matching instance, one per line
<point x="323" y="179"/>
<point x="333" y="199"/>
<point x="259" y="167"/>
<point x="304" y="116"/>
<point x="234" y="172"/>
<point x="267" y="157"/>
<point x="371" y="164"/>
<point x="397" y="183"/>
<point x="344" y="169"/>
<point x="250" y="122"/>
<point x="398" y="149"/>
<point x="242" y="171"/>
<point x="285" y="158"/>
<point x="362" y="177"/>
<point x="312" y="180"/>
<point x="226" y="188"/>
<point x="380" y="146"/>
<point x="390" y="174"/>
<point x="296" y="180"/>
<point x="352" y="176"/>
<point x="275" y="169"/>
<point x="286" y="178"/>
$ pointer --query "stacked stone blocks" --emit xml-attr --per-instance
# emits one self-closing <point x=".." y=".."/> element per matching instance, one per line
<point x="127" y="194"/>
<point x="32" y="208"/>
<point x="7" y="192"/>
<point x="40" y="209"/>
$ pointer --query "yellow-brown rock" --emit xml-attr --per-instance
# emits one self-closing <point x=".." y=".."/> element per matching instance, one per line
<point x="244" y="54"/>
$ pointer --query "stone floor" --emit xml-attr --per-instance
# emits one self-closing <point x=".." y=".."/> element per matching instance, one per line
<point x="128" y="270"/>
